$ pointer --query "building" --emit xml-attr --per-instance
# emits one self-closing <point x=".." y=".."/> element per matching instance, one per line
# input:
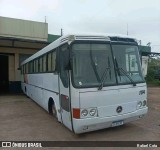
<point x="19" y="39"/>
<point x="144" y="51"/>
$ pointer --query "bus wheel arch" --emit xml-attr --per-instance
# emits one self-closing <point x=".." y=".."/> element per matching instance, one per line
<point x="25" y="89"/>
<point x="52" y="107"/>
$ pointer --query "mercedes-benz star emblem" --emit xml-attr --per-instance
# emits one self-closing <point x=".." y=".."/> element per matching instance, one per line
<point x="119" y="109"/>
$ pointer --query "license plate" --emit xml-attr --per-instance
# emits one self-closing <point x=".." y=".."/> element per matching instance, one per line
<point x="117" y="123"/>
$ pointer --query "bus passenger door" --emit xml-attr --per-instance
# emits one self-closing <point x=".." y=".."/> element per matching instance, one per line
<point x="64" y="86"/>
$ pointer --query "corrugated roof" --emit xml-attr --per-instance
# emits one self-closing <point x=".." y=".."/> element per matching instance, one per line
<point x="144" y="48"/>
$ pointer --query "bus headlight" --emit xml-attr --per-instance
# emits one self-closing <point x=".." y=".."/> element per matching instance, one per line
<point x="139" y="104"/>
<point x="84" y="112"/>
<point x="92" y="112"/>
<point x="89" y="112"/>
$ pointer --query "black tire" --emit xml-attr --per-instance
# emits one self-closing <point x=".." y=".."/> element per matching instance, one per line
<point x="53" y="110"/>
<point x="26" y="92"/>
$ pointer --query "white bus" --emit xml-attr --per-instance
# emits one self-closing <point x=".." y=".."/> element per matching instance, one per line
<point x="87" y="82"/>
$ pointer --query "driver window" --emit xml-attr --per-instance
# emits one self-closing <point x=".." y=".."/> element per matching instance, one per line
<point x="63" y="63"/>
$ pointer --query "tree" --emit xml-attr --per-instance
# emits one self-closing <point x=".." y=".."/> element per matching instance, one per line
<point x="153" y="67"/>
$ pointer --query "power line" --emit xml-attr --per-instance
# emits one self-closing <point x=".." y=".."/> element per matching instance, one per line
<point x="61" y="32"/>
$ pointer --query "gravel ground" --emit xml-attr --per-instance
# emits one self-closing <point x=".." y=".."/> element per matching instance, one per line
<point x="22" y="119"/>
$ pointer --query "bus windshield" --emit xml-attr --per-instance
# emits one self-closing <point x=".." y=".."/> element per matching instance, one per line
<point x="127" y="64"/>
<point x="93" y="65"/>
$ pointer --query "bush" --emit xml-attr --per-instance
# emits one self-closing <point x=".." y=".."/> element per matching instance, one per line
<point x="150" y="75"/>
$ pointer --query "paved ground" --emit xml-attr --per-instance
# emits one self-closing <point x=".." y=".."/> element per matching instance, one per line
<point x="22" y="119"/>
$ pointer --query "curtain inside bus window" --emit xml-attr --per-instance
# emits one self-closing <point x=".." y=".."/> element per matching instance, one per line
<point x="53" y="60"/>
<point x="49" y="62"/>
<point x="44" y="63"/>
<point x="40" y="64"/>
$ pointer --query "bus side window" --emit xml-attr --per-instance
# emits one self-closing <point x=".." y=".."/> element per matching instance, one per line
<point x="37" y="66"/>
<point x="31" y="67"/>
<point x="49" y="62"/>
<point x="27" y="68"/>
<point x="53" y="61"/>
<point x="44" y="63"/>
<point x="34" y="66"/>
<point x="40" y="64"/>
<point x="23" y="69"/>
<point x="63" y="63"/>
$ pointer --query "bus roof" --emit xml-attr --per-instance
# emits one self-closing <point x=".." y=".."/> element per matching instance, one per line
<point x="72" y="37"/>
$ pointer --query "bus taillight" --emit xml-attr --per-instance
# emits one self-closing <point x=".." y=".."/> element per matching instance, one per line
<point x="76" y="113"/>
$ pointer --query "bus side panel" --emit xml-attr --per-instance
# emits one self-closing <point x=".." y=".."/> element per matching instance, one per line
<point x="42" y="87"/>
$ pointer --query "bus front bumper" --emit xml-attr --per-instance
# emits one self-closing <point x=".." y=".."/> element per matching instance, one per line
<point x="96" y="123"/>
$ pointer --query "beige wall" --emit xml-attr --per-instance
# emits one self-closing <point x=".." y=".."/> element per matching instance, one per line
<point x="23" y="29"/>
<point x="16" y="50"/>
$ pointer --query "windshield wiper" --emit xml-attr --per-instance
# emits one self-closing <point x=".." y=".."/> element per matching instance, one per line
<point x="124" y="72"/>
<point x="129" y="77"/>
<point x="103" y="78"/>
<point x="94" y="66"/>
<point x="104" y="75"/>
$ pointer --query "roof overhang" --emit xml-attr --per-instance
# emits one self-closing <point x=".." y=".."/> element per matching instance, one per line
<point x="10" y="42"/>
<point x="150" y="54"/>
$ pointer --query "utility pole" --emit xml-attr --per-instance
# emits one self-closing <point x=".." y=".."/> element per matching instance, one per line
<point x="149" y="44"/>
<point x="140" y="42"/>
<point x="127" y="28"/>
<point x="45" y="19"/>
<point x="61" y="32"/>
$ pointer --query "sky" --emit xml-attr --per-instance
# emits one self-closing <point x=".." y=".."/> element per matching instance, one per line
<point x="92" y="16"/>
